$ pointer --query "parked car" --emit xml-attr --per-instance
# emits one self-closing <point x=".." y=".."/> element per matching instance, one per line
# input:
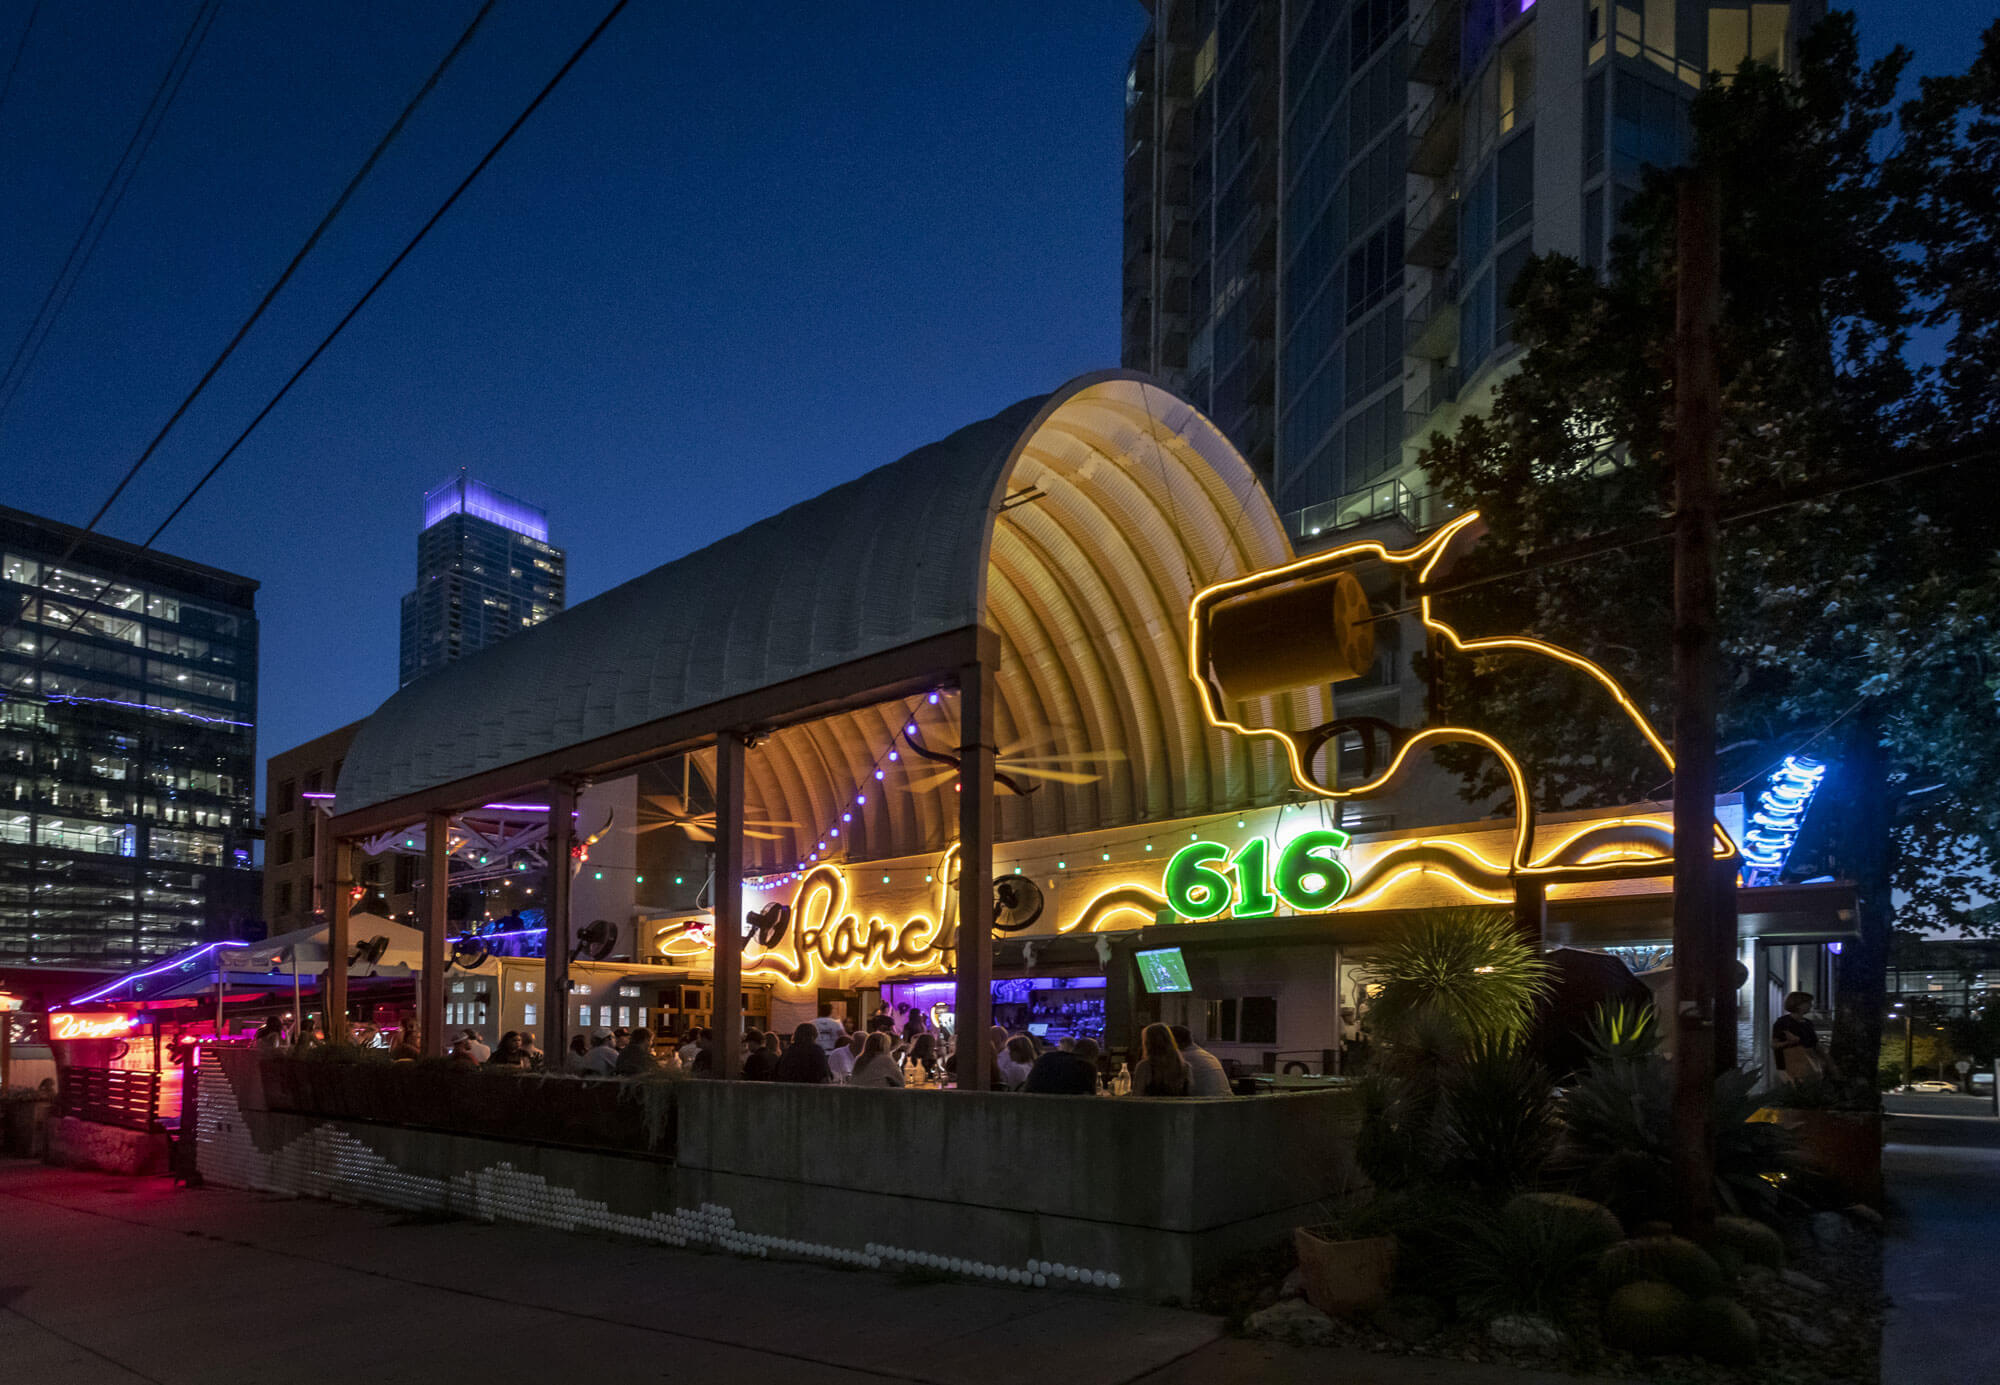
<point x="1931" y="1084"/>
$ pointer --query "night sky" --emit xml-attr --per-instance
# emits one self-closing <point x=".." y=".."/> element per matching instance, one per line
<point x="731" y="262"/>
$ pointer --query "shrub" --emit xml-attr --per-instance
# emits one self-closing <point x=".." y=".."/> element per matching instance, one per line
<point x="1623" y="1031"/>
<point x="1752" y="1241"/>
<point x="1467" y="967"/>
<point x="1667" y="1259"/>
<point x="1530" y="1258"/>
<point x="1722" y="1331"/>
<point x="1497" y="1119"/>
<point x="1649" y="1318"/>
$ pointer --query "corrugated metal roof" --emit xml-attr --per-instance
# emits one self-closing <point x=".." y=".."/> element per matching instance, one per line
<point x="1088" y="586"/>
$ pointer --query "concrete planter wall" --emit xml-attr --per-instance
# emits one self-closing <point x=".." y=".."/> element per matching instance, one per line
<point x="502" y="1106"/>
<point x="1132" y="1196"/>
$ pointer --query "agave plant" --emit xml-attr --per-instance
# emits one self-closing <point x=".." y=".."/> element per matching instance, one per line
<point x="1617" y="1140"/>
<point x="1497" y="1122"/>
<point x="1469" y="968"/>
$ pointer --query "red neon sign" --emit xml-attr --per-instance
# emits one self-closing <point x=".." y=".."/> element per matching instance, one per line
<point x="89" y="1026"/>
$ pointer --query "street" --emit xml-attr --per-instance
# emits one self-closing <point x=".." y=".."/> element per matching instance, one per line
<point x="1941" y="1161"/>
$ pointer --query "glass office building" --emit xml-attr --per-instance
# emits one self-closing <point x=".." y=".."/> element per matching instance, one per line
<point x="485" y="570"/>
<point x="1424" y="149"/>
<point x="128" y="741"/>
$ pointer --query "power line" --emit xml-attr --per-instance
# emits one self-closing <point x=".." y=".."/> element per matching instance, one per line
<point x="20" y="46"/>
<point x="339" y="203"/>
<point x="381" y="147"/>
<point x="404" y="254"/>
<point x="1979" y="449"/>
<point x="115" y="185"/>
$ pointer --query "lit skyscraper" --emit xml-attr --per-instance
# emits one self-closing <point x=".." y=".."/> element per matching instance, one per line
<point x="1327" y="201"/>
<point x="128" y="749"/>
<point x="485" y="569"/>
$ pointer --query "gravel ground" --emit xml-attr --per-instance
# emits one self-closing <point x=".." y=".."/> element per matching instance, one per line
<point x="1820" y="1321"/>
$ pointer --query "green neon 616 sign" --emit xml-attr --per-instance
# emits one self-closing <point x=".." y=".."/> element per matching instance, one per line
<point x="1307" y="876"/>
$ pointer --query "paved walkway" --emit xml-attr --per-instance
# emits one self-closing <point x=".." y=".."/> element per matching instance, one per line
<point x="121" y="1280"/>
<point x="1941" y="1257"/>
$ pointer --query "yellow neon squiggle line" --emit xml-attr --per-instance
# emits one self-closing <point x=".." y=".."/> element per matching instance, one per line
<point x="1376" y="891"/>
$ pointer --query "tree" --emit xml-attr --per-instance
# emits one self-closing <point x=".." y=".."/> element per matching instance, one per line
<point x="1847" y="629"/>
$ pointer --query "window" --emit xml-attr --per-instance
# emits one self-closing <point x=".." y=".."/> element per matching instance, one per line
<point x="313" y="779"/>
<point x="281" y="898"/>
<point x="1746" y="31"/>
<point x="1259" y="1019"/>
<point x="1370" y="26"/>
<point x="1593" y="228"/>
<point x="528" y="1014"/>
<point x="287" y="848"/>
<point x="1506" y="269"/>
<point x="288" y="796"/>
<point x="1514" y="200"/>
<point x="1374" y="267"/>
<point x="1593" y="126"/>
<point x="1648" y="126"/>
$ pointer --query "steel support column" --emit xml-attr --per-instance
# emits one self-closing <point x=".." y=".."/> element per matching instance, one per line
<point x="975" y="875"/>
<point x="340" y="901"/>
<point x="726" y="898"/>
<point x="435" y="923"/>
<point x="556" y="942"/>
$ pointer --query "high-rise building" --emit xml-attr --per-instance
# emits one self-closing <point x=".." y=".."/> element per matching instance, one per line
<point x="128" y="747"/>
<point x="485" y="570"/>
<point x="1406" y="157"/>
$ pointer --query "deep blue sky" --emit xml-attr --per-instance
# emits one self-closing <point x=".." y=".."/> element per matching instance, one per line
<point x="732" y="262"/>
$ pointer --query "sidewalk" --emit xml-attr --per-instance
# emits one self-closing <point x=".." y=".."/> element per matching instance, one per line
<point x="119" y="1281"/>
<point x="1942" y="1248"/>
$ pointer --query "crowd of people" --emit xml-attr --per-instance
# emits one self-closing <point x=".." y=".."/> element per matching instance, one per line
<point x="883" y="1053"/>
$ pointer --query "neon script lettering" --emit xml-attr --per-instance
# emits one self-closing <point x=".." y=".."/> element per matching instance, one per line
<point x="827" y="936"/>
<point x="89" y="1026"/>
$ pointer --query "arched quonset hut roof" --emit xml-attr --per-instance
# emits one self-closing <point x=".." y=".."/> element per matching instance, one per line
<point x="1077" y="526"/>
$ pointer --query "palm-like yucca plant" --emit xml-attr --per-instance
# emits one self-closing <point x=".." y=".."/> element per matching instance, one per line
<point x="1467" y="967"/>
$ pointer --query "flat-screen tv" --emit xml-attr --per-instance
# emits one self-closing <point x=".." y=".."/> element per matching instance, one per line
<point x="1163" y="970"/>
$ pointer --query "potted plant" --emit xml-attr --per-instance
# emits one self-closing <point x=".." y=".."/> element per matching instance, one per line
<point x="1348" y="1265"/>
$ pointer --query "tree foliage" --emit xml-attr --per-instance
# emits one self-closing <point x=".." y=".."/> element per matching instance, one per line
<point x="1858" y="625"/>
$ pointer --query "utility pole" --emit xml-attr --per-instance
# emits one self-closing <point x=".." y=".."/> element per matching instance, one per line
<point x="1698" y="951"/>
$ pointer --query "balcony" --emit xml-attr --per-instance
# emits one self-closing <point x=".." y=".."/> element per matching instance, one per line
<point x="1435" y="125"/>
<point x="1430" y="328"/>
<point x="1434" y="43"/>
<point x="1432" y="235"/>
<point x="1385" y="500"/>
<point x="1419" y="412"/>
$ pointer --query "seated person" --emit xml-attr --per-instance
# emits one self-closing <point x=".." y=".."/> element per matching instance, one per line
<point x="805" y="1060"/>
<point x="1065" y="1073"/>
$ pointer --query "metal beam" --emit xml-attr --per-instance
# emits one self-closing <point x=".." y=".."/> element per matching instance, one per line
<point x="556" y="942"/>
<point x="436" y="924"/>
<point x="901" y="672"/>
<point x="726" y="896"/>
<point x="339" y="903"/>
<point x="975" y="875"/>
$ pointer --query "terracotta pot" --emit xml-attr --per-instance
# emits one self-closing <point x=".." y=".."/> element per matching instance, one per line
<point x="1345" y="1277"/>
<point x="1845" y="1146"/>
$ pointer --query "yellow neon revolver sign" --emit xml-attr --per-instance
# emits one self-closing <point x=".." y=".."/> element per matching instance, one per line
<point x="1307" y="623"/>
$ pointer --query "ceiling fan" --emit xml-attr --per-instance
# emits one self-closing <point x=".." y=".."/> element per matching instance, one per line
<point x="666" y="810"/>
<point x="1011" y="766"/>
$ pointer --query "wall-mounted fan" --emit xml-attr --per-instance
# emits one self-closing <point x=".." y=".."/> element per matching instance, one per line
<point x="595" y="940"/>
<point x="1017" y="903"/>
<point x="767" y="926"/>
<point x="469" y="953"/>
<point x="368" y="952"/>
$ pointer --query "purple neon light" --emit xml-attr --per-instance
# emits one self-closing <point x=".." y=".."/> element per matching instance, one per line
<point x="315" y="795"/>
<point x="516" y="808"/>
<point x="463" y="495"/>
<point x="510" y="933"/>
<point x="170" y="964"/>
<point x="149" y="707"/>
